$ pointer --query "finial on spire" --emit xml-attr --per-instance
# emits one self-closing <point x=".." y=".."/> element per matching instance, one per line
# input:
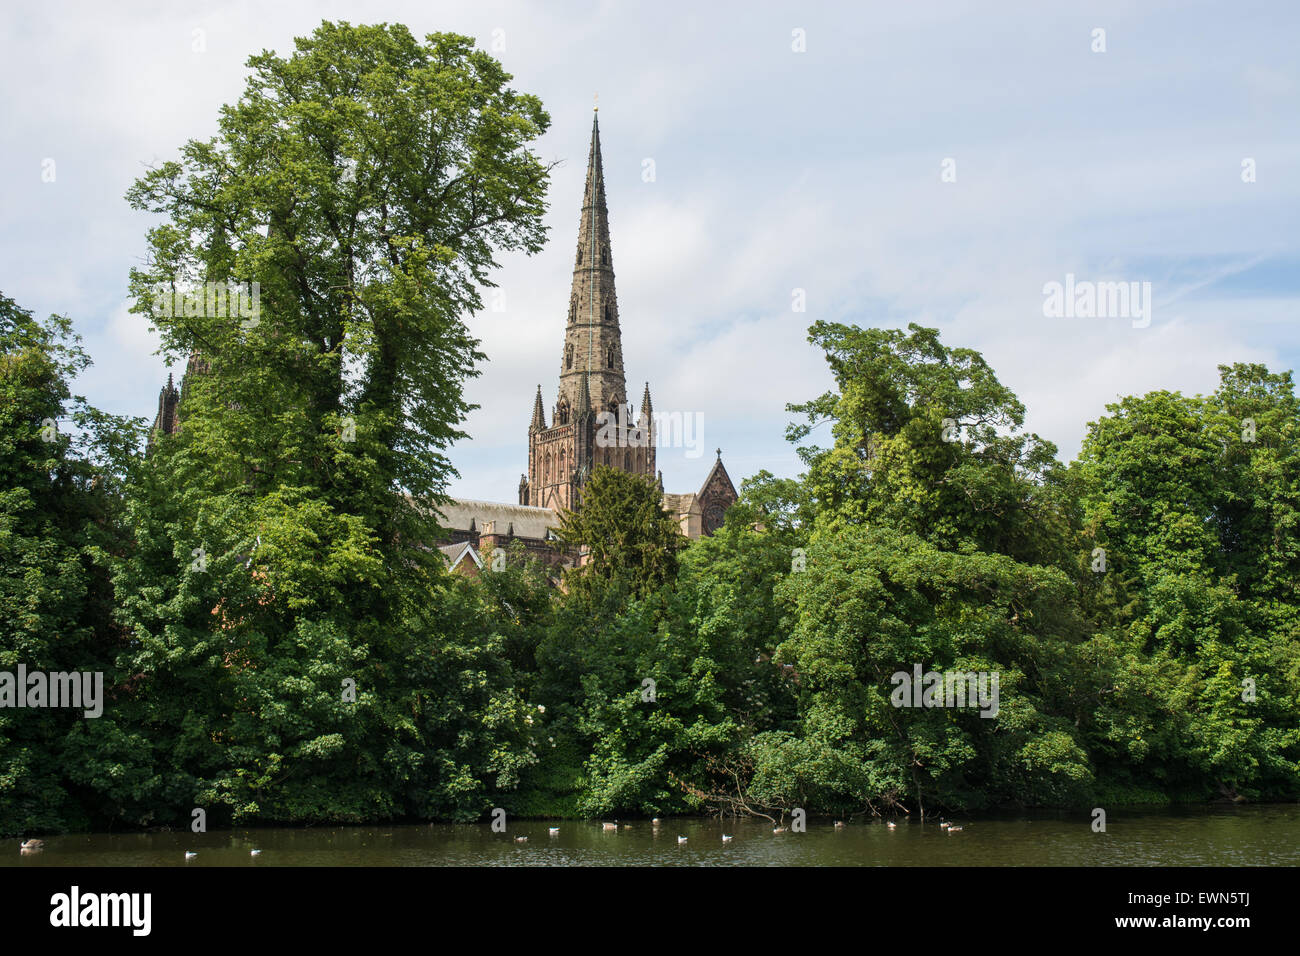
<point x="595" y="103"/>
<point x="719" y="454"/>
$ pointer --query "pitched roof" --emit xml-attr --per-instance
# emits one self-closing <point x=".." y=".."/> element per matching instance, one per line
<point x="721" y="472"/>
<point x="526" y="521"/>
<point x="458" y="552"/>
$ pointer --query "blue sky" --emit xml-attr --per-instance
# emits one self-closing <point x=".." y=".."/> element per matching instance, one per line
<point x="775" y="170"/>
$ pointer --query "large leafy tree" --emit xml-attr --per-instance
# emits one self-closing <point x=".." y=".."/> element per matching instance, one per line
<point x="1194" y="502"/>
<point x="941" y="538"/>
<point x="300" y="653"/>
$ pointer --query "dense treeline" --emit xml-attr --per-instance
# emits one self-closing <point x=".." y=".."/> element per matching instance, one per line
<point x="280" y="644"/>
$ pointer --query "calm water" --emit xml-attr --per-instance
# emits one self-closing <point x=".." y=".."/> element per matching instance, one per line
<point x="1229" y="836"/>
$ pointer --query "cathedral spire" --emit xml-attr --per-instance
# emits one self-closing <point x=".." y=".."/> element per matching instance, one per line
<point x="593" y="346"/>
<point x="591" y="426"/>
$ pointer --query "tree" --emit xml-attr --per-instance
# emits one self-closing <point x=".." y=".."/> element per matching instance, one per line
<point x="299" y="652"/>
<point x="627" y="538"/>
<point x="61" y="466"/>
<point x="1193" y="500"/>
<point x="925" y="442"/>
<point x="365" y="184"/>
<point x="941" y="539"/>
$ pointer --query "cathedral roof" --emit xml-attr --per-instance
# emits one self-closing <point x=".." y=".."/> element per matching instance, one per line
<point x="527" y="522"/>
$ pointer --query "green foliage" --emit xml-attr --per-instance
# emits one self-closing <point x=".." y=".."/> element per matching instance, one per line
<point x="1194" y="501"/>
<point x="627" y="538"/>
<point x="61" y="465"/>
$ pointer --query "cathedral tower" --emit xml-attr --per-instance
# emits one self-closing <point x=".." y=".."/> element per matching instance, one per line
<point x="592" y="423"/>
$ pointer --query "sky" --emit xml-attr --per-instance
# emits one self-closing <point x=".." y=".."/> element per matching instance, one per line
<point x="880" y="163"/>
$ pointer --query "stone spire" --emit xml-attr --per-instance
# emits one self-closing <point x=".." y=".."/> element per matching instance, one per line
<point x="539" y="415"/>
<point x="593" y="347"/>
<point x="647" y="409"/>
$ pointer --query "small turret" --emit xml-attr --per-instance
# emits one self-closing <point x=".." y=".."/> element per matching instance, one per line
<point x="647" y="409"/>
<point x="539" y="414"/>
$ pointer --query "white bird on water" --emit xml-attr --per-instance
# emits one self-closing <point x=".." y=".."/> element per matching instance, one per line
<point x="725" y="838"/>
<point x="27" y="846"/>
<point x="554" y="831"/>
<point x="610" y="826"/>
<point x="681" y="839"/>
<point x="254" y="852"/>
<point x="521" y="839"/>
<point x="892" y="825"/>
<point x="190" y="854"/>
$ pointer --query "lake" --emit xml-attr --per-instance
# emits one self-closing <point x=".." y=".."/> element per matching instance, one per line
<point x="1219" y="836"/>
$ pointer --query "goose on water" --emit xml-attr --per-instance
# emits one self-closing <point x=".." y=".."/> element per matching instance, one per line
<point x="892" y="825"/>
<point x="30" y="845"/>
<point x="554" y="831"/>
<point x="521" y="839"/>
<point x="190" y="854"/>
<point x="725" y="838"/>
<point x="839" y="824"/>
<point x="954" y="829"/>
<point x="254" y="852"/>
<point x="610" y="826"/>
<point x="780" y="829"/>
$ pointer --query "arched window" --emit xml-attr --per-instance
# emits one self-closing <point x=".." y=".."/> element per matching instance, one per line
<point x="609" y="312"/>
<point x="714" y="518"/>
<point x="568" y="356"/>
<point x="609" y="357"/>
